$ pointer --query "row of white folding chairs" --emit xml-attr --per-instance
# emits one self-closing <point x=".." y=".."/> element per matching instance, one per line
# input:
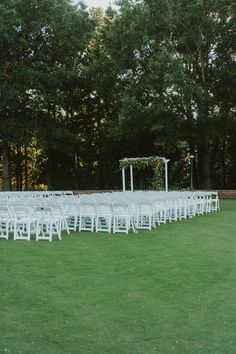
<point x="117" y="216"/>
<point x="145" y="209"/>
<point x="105" y="217"/>
<point x="122" y="214"/>
<point x="34" y="194"/>
<point x="209" y="199"/>
<point x="24" y="221"/>
<point x="168" y="209"/>
<point x="48" y="220"/>
<point x="89" y="214"/>
<point x="205" y="201"/>
<point x="84" y="216"/>
<point x="139" y="214"/>
<point x="177" y="205"/>
<point x="125" y="215"/>
<point x="183" y="207"/>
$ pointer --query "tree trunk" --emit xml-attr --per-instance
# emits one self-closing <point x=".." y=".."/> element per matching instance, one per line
<point x="223" y="165"/>
<point x="6" y="176"/>
<point x="26" y="168"/>
<point x="18" y="169"/>
<point x="204" y="164"/>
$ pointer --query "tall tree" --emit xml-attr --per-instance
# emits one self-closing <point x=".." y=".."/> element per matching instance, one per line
<point x="42" y="47"/>
<point x="169" y="65"/>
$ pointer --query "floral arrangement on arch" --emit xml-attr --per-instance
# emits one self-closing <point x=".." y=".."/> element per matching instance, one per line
<point x="141" y="163"/>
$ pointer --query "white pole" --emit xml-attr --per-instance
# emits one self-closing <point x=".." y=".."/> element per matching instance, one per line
<point x="123" y="179"/>
<point x="166" y="174"/>
<point x="131" y="178"/>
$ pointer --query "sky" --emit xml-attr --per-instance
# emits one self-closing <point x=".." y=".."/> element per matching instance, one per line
<point x="98" y="3"/>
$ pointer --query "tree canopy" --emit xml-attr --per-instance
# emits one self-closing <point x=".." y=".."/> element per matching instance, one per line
<point x="81" y="88"/>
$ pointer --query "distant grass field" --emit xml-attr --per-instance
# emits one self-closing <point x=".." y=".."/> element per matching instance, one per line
<point x="171" y="290"/>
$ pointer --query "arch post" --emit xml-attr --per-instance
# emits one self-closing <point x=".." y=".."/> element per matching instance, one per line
<point x="131" y="178"/>
<point x="166" y="174"/>
<point x="123" y="179"/>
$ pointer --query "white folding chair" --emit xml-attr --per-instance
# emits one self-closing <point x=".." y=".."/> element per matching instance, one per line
<point x="182" y="208"/>
<point x="23" y="221"/>
<point x="161" y="211"/>
<point x="208" y="202"/>
<point x="200" y="204"/>
<point x="122" y="217"/>
<point x="70" y="209"/>
<point x="145" y="217"/>
<point x="5" y="222"/>
<point x="215" y="204"/>
<point x="104" y="217"/>
<point x="192" y="207"/>
<point x="172" y="209"/>
<point x="59" y="216"/>
<point x="87" y="216"/>
<point x="46" y="226"/>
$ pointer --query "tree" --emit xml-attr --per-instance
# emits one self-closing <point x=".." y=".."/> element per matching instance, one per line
<point x="86" y="89"/>
<point x="170" y="66"/>
<point x="43" y="45"/>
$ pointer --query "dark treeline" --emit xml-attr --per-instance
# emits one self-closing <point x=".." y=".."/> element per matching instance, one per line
<point x="81" y="89"/>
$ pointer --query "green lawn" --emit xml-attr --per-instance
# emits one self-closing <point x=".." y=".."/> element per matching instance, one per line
<point x="171" y="290"/>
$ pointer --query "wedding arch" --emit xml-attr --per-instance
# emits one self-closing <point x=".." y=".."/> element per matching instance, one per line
<point x="142" y="162"/>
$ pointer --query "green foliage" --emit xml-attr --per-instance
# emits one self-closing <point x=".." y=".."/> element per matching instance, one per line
<point x="141" y="163"/>
<point x="43" y="53"/>
<point x="170" y="63"/>
<point x="92" y="87"/>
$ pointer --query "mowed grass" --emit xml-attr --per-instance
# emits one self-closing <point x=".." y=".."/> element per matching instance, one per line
<point x="171" y="290"/>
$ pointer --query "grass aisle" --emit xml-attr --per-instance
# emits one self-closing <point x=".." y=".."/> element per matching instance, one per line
<point x="171" y="290"/>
